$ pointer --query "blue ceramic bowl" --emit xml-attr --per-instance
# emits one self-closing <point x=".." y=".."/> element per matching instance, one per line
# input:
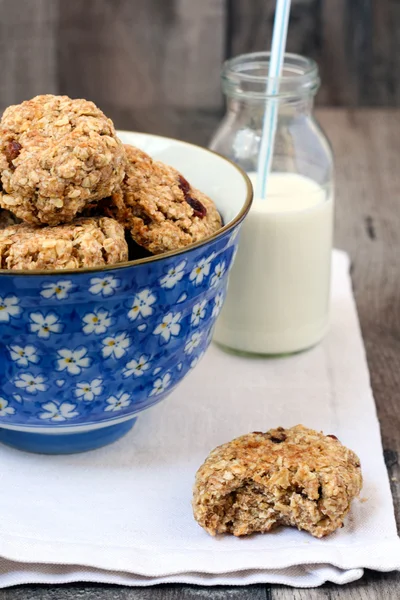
<point x="82" y="353"/>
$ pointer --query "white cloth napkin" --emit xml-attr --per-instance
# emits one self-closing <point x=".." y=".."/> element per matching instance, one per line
<point x="122" y="514"/>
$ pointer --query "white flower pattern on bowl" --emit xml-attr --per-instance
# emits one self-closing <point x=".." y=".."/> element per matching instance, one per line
<point x="23" y="356"/>
<point x="219" y="272"/>
<point x="45" y="325"/>
<point x="168" y="327"/>
<point x="136" y="368"/>
<point x="73" y="361"/>
<point x="160" y="385"/>
<point x="88" y="390"/>
<point x="201" y="270"/>
<point x="59" y="290"/>
<point x="96" y="322"/>
<point x="142" y="305"/>
<point x="118" y="402"/>
<point x="5" y="410"/>
<point x="9" y="308"/>
<point x="173" y="275"/>
<point x="198" y="313"/>
<point x="105" y="286"/>
<point x="193" y="342"/>
<point x="55" y="411"/>
<point x="31" y="383"/>
<point x="116" y="346"/>
<point x="218" y="302"/>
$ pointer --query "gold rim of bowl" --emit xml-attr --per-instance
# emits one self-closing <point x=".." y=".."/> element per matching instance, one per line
<point x="130" y="263"/>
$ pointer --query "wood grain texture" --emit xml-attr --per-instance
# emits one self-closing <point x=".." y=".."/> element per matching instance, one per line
<point x="151" y="65"/>
<point x="356" y="44"/>
<point x="382" y="80"/>
<point x="108" y="592"/>
<point x="28" y="49"/>
<point x="251" y="26"/>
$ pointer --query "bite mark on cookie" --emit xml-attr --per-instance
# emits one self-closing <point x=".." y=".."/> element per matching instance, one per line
<point x="295" y="477"/>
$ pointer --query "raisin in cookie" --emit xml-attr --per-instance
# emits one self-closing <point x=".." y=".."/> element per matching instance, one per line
<point x="56" y="156"/>
<point x="296" y="477"/>
<point x="160" y="208"/>
<point x="90" y="242"/>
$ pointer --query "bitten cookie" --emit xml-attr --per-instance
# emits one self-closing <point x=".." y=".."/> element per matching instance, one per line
<point x="296" y="477"/>
<point x="56" y="156"/>
<point x="159" y="207"/>
<point x="91" y="242"/>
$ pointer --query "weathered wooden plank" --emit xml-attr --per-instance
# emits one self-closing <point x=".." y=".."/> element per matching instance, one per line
<point x="356" y="44"/>
<point x="339" y="85"/>
<point x="108" y="592"/>
<point x="28" y="49"/>
<point x="152" y="65"/>
<point x="315" y="30"/>
<point x="251" y="26"/>
<point x="285" y="593"/>
<point x="382" y="64"/>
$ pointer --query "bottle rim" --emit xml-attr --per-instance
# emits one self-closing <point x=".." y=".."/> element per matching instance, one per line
<point x="246" y="76"/>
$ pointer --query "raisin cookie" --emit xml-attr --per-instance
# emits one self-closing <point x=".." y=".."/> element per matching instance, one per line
<point x="159" y="207"/>
<point x="296" y="477"/>
<point x="56" y="156"/>
<point x="90" y="242"/>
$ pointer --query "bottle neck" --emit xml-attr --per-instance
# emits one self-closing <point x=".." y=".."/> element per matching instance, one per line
<point x="287" y="107"/>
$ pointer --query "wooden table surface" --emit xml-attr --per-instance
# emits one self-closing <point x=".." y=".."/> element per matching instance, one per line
<point x="367" y="152"/>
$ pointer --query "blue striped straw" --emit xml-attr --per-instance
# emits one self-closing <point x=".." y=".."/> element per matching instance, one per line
<point x="270" y="119"/>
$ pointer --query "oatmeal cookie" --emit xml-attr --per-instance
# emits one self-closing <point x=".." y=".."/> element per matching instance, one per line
<point x="56" y="156"/>
<point x="7" y="219"/>
<point x="90" y="242"/>
<point x="296" y="477"/>
<point x="159" y="207"/>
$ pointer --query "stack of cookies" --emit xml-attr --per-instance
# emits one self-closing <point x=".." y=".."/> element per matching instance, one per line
<point x="73" y="196"/>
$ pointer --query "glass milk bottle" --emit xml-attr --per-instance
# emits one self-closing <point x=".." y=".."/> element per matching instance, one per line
<point x="278" y="294"/>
